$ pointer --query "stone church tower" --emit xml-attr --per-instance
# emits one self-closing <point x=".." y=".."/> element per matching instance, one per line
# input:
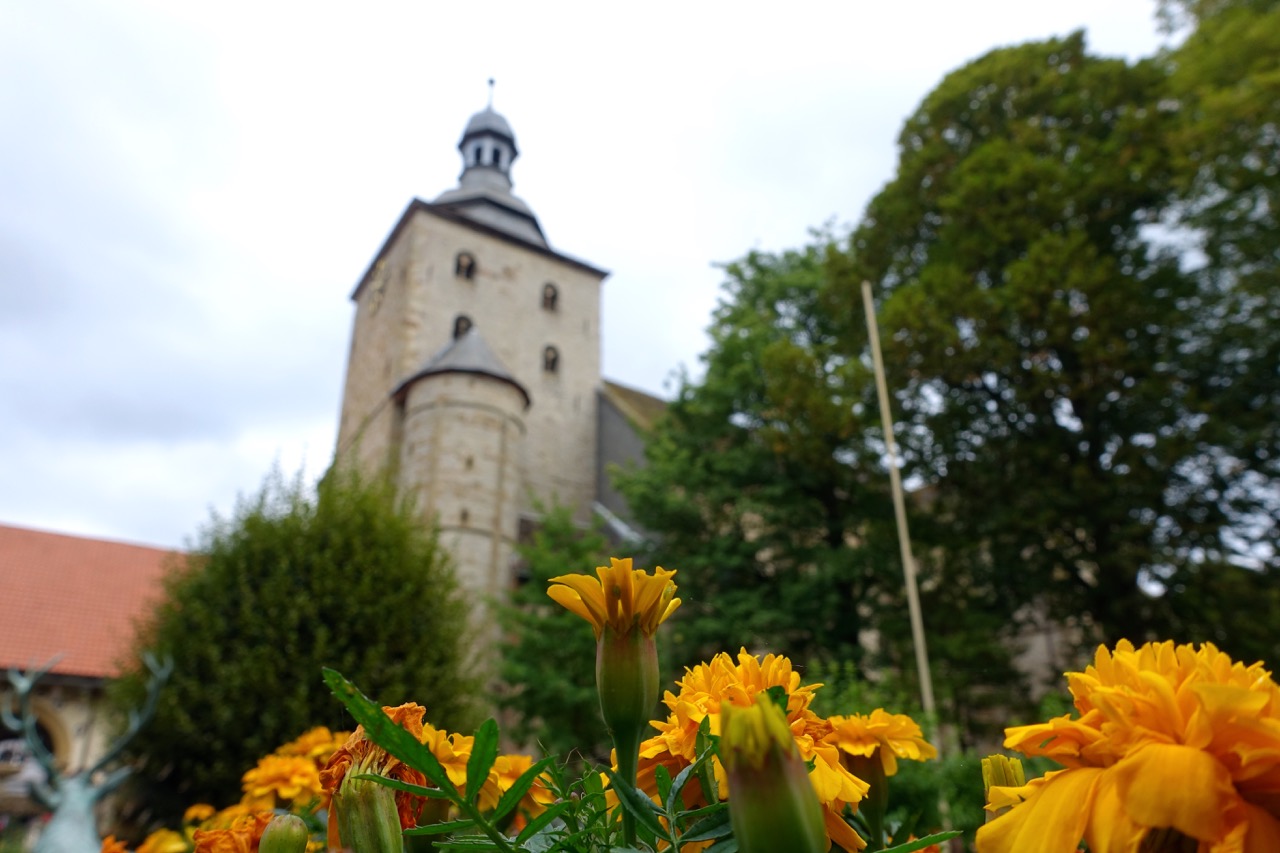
<point x="474" y="369"/>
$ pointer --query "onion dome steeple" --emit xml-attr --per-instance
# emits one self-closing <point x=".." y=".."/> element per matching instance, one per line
<point x="488" y="149"/>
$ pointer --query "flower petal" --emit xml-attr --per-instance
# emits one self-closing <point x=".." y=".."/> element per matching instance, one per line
<point x="1050" y="820"/>
<point x="1170" y="785"/>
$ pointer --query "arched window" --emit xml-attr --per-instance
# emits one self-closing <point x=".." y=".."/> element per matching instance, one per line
<point x="550" y="359"/>
<point x="464" y="266"/>
<point x="550" y="297"/>
<point x="461" y="325"/>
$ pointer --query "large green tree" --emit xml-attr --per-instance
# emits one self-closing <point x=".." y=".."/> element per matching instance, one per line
<point x="757" y="480"/>
<point x="345" y="577"/>
<point x="1225" y="83"/>
<point x="1060" y="367"/>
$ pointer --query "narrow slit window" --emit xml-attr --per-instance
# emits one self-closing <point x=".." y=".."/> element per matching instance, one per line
<point x="464" y="265"/>
<point x="550" y="297"/>
<point x="461" y="325"/>
<point x="550" y="359"/>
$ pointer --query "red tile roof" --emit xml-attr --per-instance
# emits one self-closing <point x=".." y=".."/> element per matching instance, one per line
<point x="73" y="596"/>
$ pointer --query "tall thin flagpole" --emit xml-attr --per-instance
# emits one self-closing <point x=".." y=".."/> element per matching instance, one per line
<point x="900" y="513"/>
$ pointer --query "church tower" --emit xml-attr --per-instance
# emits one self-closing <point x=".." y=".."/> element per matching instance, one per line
<point x="474" y="368"/>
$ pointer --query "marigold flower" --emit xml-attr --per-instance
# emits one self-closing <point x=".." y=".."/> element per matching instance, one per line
<point x="702" y="693"/>
<point x="242" y="836"/>
<point x="1172" y="745"/>
<point x="318" y="744"/>
<point x="360" y="755"/>
<point x="164" y="841"/>
<point x="198" y="813"/>
<point x="620" y="597"/>
<point x="892" y="736"/>
<point x="281" y="779"/>
<point x="111" y="844"/>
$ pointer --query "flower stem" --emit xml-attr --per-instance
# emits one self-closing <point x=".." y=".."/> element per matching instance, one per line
<point x="627" y="747"/>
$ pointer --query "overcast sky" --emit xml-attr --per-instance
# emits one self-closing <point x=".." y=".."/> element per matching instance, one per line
<point x="189" y="192"/>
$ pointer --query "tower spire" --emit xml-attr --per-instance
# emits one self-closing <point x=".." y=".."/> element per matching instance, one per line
<point x="490" y="106"/>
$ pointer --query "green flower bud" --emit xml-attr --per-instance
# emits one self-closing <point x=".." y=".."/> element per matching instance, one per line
<point x="286" y="833"/>
<point x="772" y="804"/>
<point x="368" y="821"/>
<point x="627" y="680"/>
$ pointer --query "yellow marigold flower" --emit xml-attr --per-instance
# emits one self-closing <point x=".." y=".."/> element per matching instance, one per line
<point x="242" y="836"/>
<point x="111" y="844"/>
<point x="198" y="813"/>
<point x="164" y="841"/>
<point x="1173" y="745"/>
<point x="621" y="597"/>
<point x="281" y="779"/>
<point x="318" y="744"/>
<point x="702" y="692"/>
<point x="893" y="736"/>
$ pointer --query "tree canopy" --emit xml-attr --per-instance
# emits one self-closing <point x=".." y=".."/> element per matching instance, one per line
<point x="346" y="578"/>
<point x="1077" y="271"/>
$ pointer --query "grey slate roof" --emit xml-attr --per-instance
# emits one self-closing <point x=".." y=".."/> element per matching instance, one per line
<point x="465" y="354"/>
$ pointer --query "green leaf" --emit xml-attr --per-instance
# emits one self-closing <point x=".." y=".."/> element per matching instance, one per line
<point x="778" y="696"/>
<point x="682" y="778"/>
<point x="662" y="777"/>
<point x="512" y="796"/>
<point x="727" y="845"/>
<point x="920" y="843"/>
<point x="484" y="751"/>
<point x="442" y="828"/>
<point x="712" y="826"/>
<point x="638" y="805"/>
<point x="419" y="790"/>
<point x="534" y="826"/>
<point x="391" y="737"/>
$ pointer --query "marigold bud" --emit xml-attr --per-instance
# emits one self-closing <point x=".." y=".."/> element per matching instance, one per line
<point x="772" y="803"/>
<point x="286" y="833"/>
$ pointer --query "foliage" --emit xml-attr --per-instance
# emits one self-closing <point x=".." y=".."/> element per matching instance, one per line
<point x="1065" y="381"/>
<point x="292" y="582"/>
<point x="760" y="479"/>
<point x="548" y="661"/>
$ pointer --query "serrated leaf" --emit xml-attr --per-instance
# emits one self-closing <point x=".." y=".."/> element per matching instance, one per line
<point x="920" y="843"/>
<point x="484" y="751"/>
<point x="512" y="796"/>
<point x="662" y="777"/>
<point x="727" y="845"/>
<point x="382" y="731"/>
<point x="682" y="778"/>
<point x="638" y="805"/>
<point x="712" y="826"/>
<point x="442" y="828"/>
<point x="407" y="787"/>
<point x="546" y="818"/>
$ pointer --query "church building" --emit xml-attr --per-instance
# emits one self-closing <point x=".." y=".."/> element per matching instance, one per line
<point x="474" y="370"/>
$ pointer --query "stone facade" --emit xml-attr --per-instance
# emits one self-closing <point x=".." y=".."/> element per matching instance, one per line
<point x="474" y="369"/>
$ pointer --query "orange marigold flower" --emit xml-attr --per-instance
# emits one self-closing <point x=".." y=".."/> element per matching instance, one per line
<point x="111" y="844"/>
<point x="1172" y="745"/>
<point x="361" y="755"/>
<point x="242" y="836"/>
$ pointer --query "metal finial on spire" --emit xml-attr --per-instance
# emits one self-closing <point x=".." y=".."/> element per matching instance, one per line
<point x="490" y="93"/>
